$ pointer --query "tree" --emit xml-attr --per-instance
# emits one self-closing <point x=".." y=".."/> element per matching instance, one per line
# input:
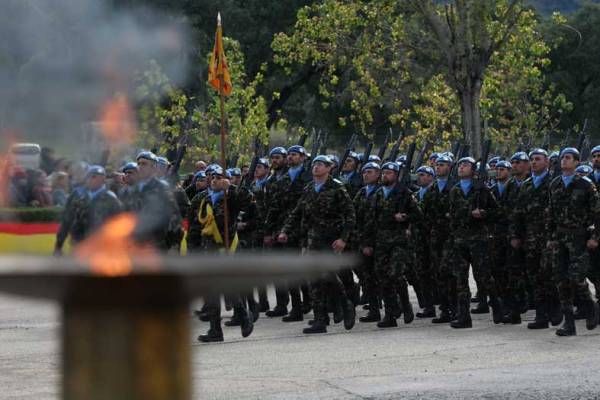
<point x="469" y="33"/>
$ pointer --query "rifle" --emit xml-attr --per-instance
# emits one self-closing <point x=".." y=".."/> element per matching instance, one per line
<point x="422" y="153"/>
<point x="349" y="148"/>
<point x="366" y="155"/>
<point x="481" y="179"/>
<point x="323" y="149"/>
<point x="404" y="176"/>
<point x="314" y="149"/>
<point x="385" y="145"/>
<point x="396" y="148"/>
<point x="249" y="177"/>
<point x="546" y="142"/>
<point x="458" y="154"/>
<point x="302" y="139"/>
<point x="233" y="160"/>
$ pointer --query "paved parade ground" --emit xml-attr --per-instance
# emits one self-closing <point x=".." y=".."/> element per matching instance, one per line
<point x="417" y="361"/>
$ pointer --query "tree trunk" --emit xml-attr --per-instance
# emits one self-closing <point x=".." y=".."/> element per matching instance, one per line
<point x="471" y="115"/>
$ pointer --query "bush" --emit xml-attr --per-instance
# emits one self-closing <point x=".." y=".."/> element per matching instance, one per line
<point x="30" y="214"/>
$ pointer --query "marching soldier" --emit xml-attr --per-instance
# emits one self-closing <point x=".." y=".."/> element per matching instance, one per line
<point x="387" y="239"/>
<point x="472" y="209"/>
<point x="363" y="201"/>
<point x="323" y="220"/>
<point x="349" y="176"/>
<point x="103" y="203"/>
<point x="573" y="208"/>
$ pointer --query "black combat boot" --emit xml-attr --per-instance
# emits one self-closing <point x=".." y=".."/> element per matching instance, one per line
<point x="568" y="326"/>
<point x="319" y="325"/>
<point x="349" y="315"/>
<point x="428" y="312"/>
<point x="388" y="321"/>
<point x="482" y="308"/>
<point x="338" y="311"/>
<point x="325" y="321"/>
<point x="591" y="321"/>
<point x="234" y="321"/>
<point x="497" y="309"/>
<point x="278" y="311"/>
<point x="373" y="315"/>
<point x="263" y="300"/>
<point x="253" y="308"/>
<point x="554" y="311"/>
<point x="464" y="317"/>
<point x="295" y="314"/>
<point x="541" y="318"/>
<point x="202" y="313"/>
<point x="214" y="334"/>
<point x="246" y="324"/>
<point x="407" y="309"/>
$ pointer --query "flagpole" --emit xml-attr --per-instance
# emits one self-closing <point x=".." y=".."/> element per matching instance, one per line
<point x="223" y="153"/>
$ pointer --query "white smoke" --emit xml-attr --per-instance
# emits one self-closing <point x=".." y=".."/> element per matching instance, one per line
<point x="60" y="59"/>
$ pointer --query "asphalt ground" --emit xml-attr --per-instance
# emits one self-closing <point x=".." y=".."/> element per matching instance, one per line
<point x="416" y="361"/>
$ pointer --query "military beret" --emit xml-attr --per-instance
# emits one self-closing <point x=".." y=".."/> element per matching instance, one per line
<point x="218" y="170"/>
<point x="584" y="169"/>
<point x="162" y="161"/>
<point x="375" y="158"/>
<point x="519" y="156"/>
<point x="325" y="159"/>
<point x="494" y="160"/>
<point x="554" y="154"/>
<point x="371" y="165"/>
<point x="278" y="151"/>
<point x="449" y="154"/>
<point x="426" y="170"/>
<point x="96" y="170"/>
<point x="130" y="166"/>
<point x="147" y="155"/>
<point x="570" y="150"/>
<point x="596" y="149"/>
<point x="296" y="149"/>
<point x="503" y="164"/>
<point x="443" y="159"/>
<point x="469" y="160"/>
<point x="234" y="171"/>
<point x="434" y="156"/>
<point x="210" y="169"/>
<point x="401" y="158"/>
<point x="354" y="155"/>
<point x="391" y="165"/>
<point x="539" y="152"/>
<point x="264" y="162"/>
<point x="200" y="175"/>
<point x="334" y="159"/>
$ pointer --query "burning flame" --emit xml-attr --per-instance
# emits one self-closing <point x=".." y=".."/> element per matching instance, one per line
<point x="117" y="121"/>
<point x="111" y="250"/>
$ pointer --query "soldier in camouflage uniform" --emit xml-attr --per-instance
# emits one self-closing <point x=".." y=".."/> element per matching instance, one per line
<point x="323" y="220"/>
<point x="159" y="218"/>
<point x="472" y="209"/>
<point x="211" y="221"/>
<point x="425" y="274"/>
<point x="282" y="193"/>
<point x="363" y="201"/>
<point x="349" y="174"/>
<point x="435" y="209"/>
<point x="594" y="272"/>
<point x="527" y="232"/>
<point x="387" y="236"/>
<point x="103" y="204"/>
<point x="127" y="192"/>
<point x="573" y="208"/>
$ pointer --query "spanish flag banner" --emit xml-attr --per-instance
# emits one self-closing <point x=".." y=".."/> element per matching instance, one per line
<point x="28" y="238"/>
<point x="218" y="72"/>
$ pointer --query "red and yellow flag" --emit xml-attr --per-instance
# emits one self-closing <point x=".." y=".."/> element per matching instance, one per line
<point x="218" y="72"/>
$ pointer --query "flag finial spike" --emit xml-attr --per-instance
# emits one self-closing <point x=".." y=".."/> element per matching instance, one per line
<point x="219" y="18"/>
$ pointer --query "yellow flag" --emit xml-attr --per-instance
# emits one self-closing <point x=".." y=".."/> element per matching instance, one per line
<point x="218" y="72"/>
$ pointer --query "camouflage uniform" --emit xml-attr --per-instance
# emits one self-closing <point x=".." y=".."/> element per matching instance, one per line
<point x="73" y="220"/>
<point x="424" y="269"/>
<point x="160" y="221"/>
<point x="352" y="182"/>
<point x="390" y="242"/>
<point x="317" y="221"/>
<point x="594" y="271"/>
<point x="100" y="208"/>
<point x="528" y="225"/>
<point x="281" y="195"/>
<point x="363" y="202"/>
<point x="571" y="210"/>
<point x="471" y="245"/>
<point x="435" y="210"/>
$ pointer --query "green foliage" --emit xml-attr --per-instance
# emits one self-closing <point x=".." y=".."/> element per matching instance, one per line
<point x="30" y="214"/>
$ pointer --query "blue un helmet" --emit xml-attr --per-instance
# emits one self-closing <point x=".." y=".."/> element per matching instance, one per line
<point x="570" y="150"/>
<point x="371" y="165"/>
<point x="297" y="149"/>
<point x="554" y="155"/>
<point x="278" y="151"/>
<point x="503" y="164"/>
<point x="325" y="159"/>
<point x="469" y="160"/>
<point x="494" y="161"/>
<point x="96" y="170"/>
<point x="519" y="156"/>
<point x="355" y="156"/>
<point x="443" y="159"/>
<point x="264" y="162"/>
<point x="538" y="152"/>
<point x="199" y="175"/>
<point x="218" y="170"/>
<point x="433" y="157"/>
<point x="146" y="155"/>
<point x="584" y="169"/>
<point x="391" y="165"/>
<point x="449" y="154"/>
<point x="210" y="169"/>
<point x="375" y="158"/>
<point x="334" y="159"/>
<point x="130" y="166"/>
<point x="401" y="159"/>
<point x="425" y="169"/>
<point x="596" y="149"/>
<point x="162" y="161"/>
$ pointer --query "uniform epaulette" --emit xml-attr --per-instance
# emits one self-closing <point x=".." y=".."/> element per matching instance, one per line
<point x="585" y="178"/>
<point x="111" y="194"/>
<point x="338" y="181"/>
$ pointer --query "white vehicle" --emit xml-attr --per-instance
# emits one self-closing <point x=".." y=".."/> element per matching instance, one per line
<point x="26" y="155"/>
